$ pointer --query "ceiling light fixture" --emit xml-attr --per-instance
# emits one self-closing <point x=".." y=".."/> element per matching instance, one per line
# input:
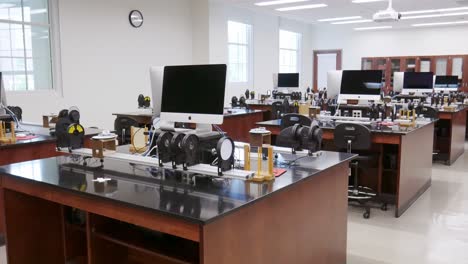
<point x="352" y="22"/>
<point x="6" y="5"/>
<point x="435" y="15"/>
<point x="372" y="28"/>
<point x="428" y="11"/>
<point x="440" y="24"/>
<point x="292" y="8"/>
<point x="366" y="1"/>
<point x="279" y="2"/>
<point x="339" y="18"/>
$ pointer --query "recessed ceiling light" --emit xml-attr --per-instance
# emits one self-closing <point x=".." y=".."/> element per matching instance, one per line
<point x="279" y="2"/>
<point x="339" y="18"/>
<point x="440" y="24"/>
<point x="372" y="28"/>
<point x="435" y="15"/>
<point x="352" y="22"/>
<point x="292" y="8"/>
<point x="366" y="1"/>
<point x="433" y="11"/>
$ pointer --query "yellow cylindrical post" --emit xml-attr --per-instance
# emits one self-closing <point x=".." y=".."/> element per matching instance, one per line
<point x="259" y="161"/>
<point x="247" y="157"/>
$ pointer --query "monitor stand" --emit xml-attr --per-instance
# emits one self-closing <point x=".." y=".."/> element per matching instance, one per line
<point x="201" y="129"/>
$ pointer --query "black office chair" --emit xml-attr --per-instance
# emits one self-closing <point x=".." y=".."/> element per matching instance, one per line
<point x="277" y="110"/>
<point x="122" y="127"/>
<point x="351" y="137"/>
<point x="17" y="111"/>
<point x="289" y="120"/>
<point x="429" y="112"/>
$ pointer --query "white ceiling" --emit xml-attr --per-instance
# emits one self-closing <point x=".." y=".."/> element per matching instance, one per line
<point x="345" y="8"/>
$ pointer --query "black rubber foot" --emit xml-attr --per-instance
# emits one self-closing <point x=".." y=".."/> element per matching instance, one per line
<point x="366" y="215"/>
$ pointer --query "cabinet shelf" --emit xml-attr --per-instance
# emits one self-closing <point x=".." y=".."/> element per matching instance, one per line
<point x="167" y="248"/>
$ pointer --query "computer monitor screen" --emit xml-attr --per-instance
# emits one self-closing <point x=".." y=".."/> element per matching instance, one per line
<point x="334" y="83"/>
<point x="418" y="80"/>
<point x="366" y="85"/>
<point x="156" y="76"/>
<point x="398" y="78"/>
<point x="288" y="80"/>
<point x="446" y="82"/>
<point x="194" y="94"/>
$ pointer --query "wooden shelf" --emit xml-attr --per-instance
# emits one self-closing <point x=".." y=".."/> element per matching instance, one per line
<point x="75" y="227"/>
<point x="167" y="248"/>
<point x="78" y="260"/>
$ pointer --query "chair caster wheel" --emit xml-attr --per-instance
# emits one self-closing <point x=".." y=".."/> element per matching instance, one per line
<point x="366" y="215"/>
<point x="85" y="164"/>
<point x="384" y="207"/>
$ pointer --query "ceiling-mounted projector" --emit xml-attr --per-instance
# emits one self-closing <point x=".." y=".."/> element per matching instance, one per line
<point x="388" y="15"/>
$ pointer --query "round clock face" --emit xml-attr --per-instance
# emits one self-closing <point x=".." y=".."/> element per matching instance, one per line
<point x="136" y="18"/>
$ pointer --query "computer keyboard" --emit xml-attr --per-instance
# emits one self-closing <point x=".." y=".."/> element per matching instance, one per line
<point x="353" y="122"/>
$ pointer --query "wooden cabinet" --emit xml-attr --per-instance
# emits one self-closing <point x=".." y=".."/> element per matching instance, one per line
<point x="439" y="65"/>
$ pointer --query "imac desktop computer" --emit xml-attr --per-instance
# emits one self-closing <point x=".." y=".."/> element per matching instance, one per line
<point x="288" y="81"/>
<point x="156" y="76"/>
<point x="398" y="79"/>
<point x="418" y="83"/>
<point x="446" y="84"/>
<point x="334" y="83"/>
<point x="361" y="85"/>
<point x="193" y="94"/>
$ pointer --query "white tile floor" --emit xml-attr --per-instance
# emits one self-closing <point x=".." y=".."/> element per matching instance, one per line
<point x="433" y="231"/>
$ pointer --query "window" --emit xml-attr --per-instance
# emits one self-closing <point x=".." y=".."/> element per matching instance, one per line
<point x="25" y="45"/>
<point x="239" y="49"/>
<point x="289" y="55"/>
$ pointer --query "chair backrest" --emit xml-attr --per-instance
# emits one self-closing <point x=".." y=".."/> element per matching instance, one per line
<point x="277" y="110"/>
<point x="289" y="120"/>
<point x="429" y="112"/>
<point x="352" y="137"/>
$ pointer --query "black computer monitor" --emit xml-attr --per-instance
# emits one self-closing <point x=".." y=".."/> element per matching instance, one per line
<point x="445" y="81"/>
<point x="288" y="80"/>
<point x="418" y="81"/>
<point x="194" y="93"/>
<point x="365" y="85"/>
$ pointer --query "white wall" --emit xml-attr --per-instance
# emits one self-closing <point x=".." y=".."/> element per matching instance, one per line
<point x="265" y="44"/>
<point x="105" y="62"/>
<point x="401" y="42"/>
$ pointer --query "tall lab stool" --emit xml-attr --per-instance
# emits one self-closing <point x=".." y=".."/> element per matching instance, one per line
<point x="351" y="137"/>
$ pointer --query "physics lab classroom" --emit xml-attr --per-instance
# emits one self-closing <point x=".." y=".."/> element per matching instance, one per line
<point x="233" y="131"/>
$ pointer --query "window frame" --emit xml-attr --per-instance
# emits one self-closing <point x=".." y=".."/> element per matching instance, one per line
<point x="55" y="50"/>
<point x="249" y="48"/>
<point x="298" y="51"/>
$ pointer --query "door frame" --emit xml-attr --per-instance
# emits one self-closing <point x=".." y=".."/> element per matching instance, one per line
<point x="339" y="60"/>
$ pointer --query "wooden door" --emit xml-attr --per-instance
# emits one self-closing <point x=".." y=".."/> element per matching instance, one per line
<point x="317" y="65"/>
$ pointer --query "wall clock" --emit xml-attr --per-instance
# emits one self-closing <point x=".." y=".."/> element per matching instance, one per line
<point x="136" y="18"/>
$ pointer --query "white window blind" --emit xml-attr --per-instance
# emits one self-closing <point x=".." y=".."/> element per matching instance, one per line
<point x="25" y="46"/>
<point x="289" y="54"/>
<point x="239" y="49"/>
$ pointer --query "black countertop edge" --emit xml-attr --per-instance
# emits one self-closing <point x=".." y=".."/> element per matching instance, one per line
<point x="24" y="143"/>
<point x="83" y="194"/>
<point x="276" y="192"/>
<point x="241" y="113"/>
<point x="169" y="214"/>
<point x="398" y="133"/>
